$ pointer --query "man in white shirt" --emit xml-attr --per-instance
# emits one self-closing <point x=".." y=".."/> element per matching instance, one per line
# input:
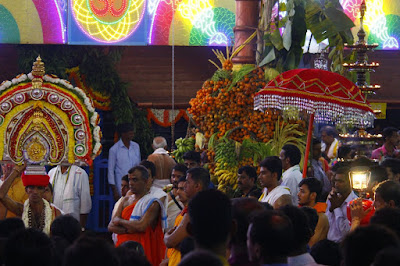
<point x="290" y="156"/>
<point x="124" y="155"/>
<point x="71" y="192"/>
<point x="338" y="199"/>
<point x="270" y="174"/>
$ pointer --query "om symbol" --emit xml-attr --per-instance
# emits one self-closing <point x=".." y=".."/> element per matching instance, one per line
<point x="109" y="6"/>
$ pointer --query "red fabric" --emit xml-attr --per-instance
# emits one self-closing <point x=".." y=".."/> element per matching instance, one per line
<point x="366" y="204"/>
<point x="152" y="240"/>
<point x="35" y="180"/>
<point x="317" y="85"/>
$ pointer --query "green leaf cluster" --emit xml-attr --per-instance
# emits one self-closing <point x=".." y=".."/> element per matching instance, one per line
<point x="284" y="52"/>
<point x="240" y="74"/>
<point x="97" y="64"/>
<point x="325" y="20"/>
<point x="221" y="74"/>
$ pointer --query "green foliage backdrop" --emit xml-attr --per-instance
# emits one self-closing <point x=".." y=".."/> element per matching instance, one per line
<point x="97" y="64"/>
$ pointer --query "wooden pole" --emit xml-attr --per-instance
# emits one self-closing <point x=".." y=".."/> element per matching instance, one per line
<point x="247" y="13"/>
<point x="309" y="138"/>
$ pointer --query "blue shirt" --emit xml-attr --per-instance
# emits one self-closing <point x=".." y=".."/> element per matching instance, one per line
<point x="120" y="160"/>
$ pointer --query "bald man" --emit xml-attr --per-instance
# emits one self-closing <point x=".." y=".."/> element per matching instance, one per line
<point x="163" y="162"/>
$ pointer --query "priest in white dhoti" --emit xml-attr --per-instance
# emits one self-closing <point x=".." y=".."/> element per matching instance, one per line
<point x="71" y="191"/>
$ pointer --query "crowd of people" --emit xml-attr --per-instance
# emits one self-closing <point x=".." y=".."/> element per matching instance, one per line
<point x="170" y="214"/>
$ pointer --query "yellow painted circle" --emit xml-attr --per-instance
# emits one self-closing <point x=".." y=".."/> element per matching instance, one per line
<point x="108" y="20"/>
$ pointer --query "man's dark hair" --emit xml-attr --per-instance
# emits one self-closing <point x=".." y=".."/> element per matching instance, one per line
<point x="340" y="165"/>
<point x="143" y="171"/>
<point x="200" y="258"/>
<point x="293" y="153"/>
<point x="389" y="217"/>
<point x="273" y="231"/>
<point x="343" y="151"/>
<point x="378" y="174"/>
<point x="330" y="131"/>
<point x="393" y="164"/>
<point x="273" y="164"/>
<point x="312" y="217"/>
<point x="90" y="251"/>
<point x="387" y="257"/>
<point x="9" y="226"/>
<point x="326" y="252"/>
<point x="301" y="226"/>
<point x="67" y="227"/>
<point x="313" y="184"/>
<point x="358" y="249"/>
<point x="150" y="166"/>
<point x="180" y="168"/>
<point x="200" y="175"/>
<point x="193" y="156"/>
<point x="388" y="132"/>
<point x="241" y="210"/>
<point x="186" y="246"/>
<point x="343" y="171"/>
<point x="28" y="247"/>
<point x="128" y="256"/>
<point x="250" y="171"/>
<point x="210" y="217"/>
<point x="125" y="178"/>
<point x="133" y="245"/>
<point x="389" y="190"/>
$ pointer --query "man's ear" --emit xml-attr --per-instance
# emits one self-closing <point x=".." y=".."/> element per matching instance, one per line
<point x="391" y="204"/>
<point x="313" y="196"/>
<point x="275" y="175"/>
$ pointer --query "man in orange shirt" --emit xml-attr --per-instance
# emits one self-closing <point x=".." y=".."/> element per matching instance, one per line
<point x="141" y="217"/>
<point x="197" y="179"/>
<point x="174" y="254"/>
<point x="310" y="191"/>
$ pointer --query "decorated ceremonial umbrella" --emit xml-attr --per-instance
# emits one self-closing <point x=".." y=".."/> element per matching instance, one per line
<point x="328" y="98"/>
<point x="46" y="120"/>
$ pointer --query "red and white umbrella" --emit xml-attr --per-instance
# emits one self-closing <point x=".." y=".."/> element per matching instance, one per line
<point x="328" y="98"/>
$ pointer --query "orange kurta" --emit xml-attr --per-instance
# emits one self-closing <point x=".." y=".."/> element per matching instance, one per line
<point x="320" y="207"/>
<point x="152" y="240"/>
<point x="173" y="254"/>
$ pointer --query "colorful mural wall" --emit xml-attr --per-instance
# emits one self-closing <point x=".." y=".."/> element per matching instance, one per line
<point x="33" y="21"/>
<point x="158" y="22"/>
<point x="382" y="20"/>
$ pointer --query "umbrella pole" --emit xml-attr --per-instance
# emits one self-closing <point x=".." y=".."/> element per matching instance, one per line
<point x="309" y="136"/>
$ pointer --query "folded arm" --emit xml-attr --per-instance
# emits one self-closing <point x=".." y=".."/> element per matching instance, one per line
<point x="175" y="237"/>
<point x="139" y="226"/>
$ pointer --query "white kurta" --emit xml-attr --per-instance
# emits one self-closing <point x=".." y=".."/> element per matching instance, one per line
<point x="71" y="190"/>
<point x="291" y="178"/>
<point x="271" y="196"/>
